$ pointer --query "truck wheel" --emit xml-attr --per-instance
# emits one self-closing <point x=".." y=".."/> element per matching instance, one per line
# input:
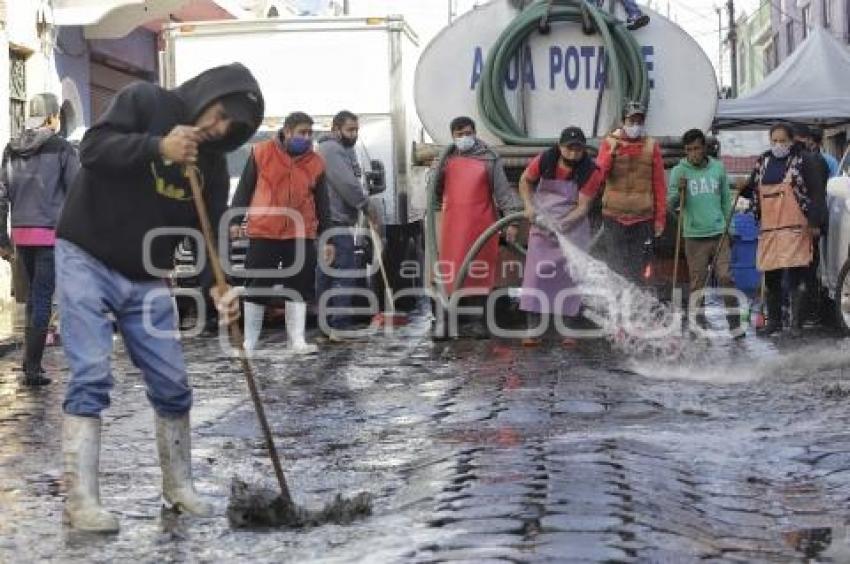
<point x="842" y="299"/>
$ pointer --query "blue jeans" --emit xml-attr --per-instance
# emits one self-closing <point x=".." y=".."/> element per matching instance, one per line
<point x="344" y="259"/>
<point x="89" y="292"/>
<point x="41" y="277"/>
<point x="631" y="7"/>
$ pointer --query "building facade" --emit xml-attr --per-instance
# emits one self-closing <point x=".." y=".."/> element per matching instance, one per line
<point x="755" y="47"/>
<point x="84" y="52"/>
<point x="770" y="35"/>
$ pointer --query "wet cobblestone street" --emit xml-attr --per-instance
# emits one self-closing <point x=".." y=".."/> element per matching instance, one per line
<point x="474" y="450"/>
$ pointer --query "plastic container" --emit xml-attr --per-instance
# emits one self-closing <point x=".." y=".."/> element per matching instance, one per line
<point x="743" y="253"/>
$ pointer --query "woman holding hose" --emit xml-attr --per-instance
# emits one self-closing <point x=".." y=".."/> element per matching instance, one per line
<point x="557" y="188"/>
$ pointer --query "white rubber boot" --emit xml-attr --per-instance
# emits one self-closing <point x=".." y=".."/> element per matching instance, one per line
<point x="296" y="320"/>
<point x="81" y="454"/>
<point x="173" y="441"/>
<point x="254" y="314"/>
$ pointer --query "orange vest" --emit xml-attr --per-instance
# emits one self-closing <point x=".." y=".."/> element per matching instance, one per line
<point x="628" y="190"/>
<point x="285" y="183"/>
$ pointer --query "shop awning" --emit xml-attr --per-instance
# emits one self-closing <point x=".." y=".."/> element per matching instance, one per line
<point x="109" y="19"/>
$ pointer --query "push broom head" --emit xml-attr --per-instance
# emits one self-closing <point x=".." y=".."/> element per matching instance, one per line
<point x="254" y="507"/>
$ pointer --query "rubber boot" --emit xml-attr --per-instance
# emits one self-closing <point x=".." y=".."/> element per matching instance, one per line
<point x="254" y="314"/>
<point x="774" y="315"/>
<point x="637" y="21"/>
<point x="734" y="319"/>
<point x="34" y="341"/>
<point x="296" y="321"/>
<point x="174" y="444"/>
<point x="532" y="320"/>
<point x="81" y="454"/>
<point x="799" y="301"/>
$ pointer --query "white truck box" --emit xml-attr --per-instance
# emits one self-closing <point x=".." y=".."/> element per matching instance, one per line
<point x="319" y="66"/>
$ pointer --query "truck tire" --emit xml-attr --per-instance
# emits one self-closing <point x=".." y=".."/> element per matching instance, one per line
<point x="842" y="299"/>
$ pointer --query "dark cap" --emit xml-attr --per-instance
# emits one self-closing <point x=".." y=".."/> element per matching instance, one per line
<point x="633" y="108"/>
<point x="802" y="130"/>
<point x="572" y="136"/>
<point x="42" y="106"/>
<point x="243" y="109"/>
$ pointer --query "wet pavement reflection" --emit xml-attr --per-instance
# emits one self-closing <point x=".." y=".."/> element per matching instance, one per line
<point x="474" y="450"/>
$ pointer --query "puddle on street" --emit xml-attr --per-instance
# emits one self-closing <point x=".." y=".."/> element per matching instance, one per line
<point x="472" y="450"/>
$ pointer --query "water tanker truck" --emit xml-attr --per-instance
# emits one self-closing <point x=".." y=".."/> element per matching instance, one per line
<point x="522" y="70"/>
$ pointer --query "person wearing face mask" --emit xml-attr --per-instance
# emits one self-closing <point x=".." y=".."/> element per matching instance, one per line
<point x="470" y="185"/>
<point x="279" y="190"/>
<point x="634" y="201"/>
<point x="347" y="198"/>
<point x="557" y="187"/>
<point x="785" y="186"/>
<point x="706" y="208"/>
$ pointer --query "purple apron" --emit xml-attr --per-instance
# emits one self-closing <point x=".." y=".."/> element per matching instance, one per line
<point x="546" y="267"/>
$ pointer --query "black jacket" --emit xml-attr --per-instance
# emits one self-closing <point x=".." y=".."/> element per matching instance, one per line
<point x="125" y="191"/>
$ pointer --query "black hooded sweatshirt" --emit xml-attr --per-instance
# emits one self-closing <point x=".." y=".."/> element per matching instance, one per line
<point x="125" y="190"/>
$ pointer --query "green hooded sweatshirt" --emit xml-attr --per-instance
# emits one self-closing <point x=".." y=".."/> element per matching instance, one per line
<point x="708" y="197"/>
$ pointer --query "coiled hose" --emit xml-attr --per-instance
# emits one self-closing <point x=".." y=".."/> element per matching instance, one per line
<point x="624" y="64"/>
<point x="624" y="67"/>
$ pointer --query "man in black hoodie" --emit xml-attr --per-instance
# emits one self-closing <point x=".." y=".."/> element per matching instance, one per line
<point x="37" y="171"/>
<point x="114" y="248"/>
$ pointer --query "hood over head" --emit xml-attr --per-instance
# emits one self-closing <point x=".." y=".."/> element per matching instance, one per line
<point x="30" y="141"/>
<point x="237" y="88"/>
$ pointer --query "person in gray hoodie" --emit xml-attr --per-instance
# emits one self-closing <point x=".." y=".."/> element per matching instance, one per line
<point x="37" y="171"/>
<point x="347" y="198"/>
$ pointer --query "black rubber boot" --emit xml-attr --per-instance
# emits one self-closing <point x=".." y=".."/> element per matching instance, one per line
<point x="799" y="301"/>
<point x="735" y="327"/>
<point x="637" y="22"/>
<point x="34" y="341"/>
<point x="774" y="316"/>
<point x="734" y="319"/>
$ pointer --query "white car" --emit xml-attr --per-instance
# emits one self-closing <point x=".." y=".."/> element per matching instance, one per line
<point x="835" y="250"/>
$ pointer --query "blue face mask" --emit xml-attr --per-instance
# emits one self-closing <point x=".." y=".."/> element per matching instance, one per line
<point x="298" y="145"/>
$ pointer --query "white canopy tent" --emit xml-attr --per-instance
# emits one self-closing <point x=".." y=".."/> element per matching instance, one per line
<point x="811" y="86"/>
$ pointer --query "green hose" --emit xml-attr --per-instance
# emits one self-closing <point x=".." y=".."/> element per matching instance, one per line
<point x="481" y="241"/>
<point x="624" y="61"/>
<point x="625" y="67"/>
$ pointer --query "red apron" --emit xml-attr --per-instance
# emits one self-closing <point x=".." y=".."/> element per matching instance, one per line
<point x="467" y="211"/>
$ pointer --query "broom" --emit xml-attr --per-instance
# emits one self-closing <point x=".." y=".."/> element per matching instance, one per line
<point x="249" y="506"/>
<point x="388" y="317"/>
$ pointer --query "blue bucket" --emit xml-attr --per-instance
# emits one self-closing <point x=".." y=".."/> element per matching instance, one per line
<point x="743" y="252"/>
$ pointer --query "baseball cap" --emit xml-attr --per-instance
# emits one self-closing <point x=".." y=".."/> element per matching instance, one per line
<point x="572" y="136"/>
<point x="42" y="106"/>
<point x="633" y="108"/>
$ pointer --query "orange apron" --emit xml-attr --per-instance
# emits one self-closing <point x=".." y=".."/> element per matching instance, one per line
<point x="468" y="211"/>
<point x="785" y="240"/>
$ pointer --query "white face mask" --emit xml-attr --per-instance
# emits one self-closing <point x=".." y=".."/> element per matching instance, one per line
<point x="465" y="143"/>
<point x="780" y="150"/>
<point x="634" y="131"/>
